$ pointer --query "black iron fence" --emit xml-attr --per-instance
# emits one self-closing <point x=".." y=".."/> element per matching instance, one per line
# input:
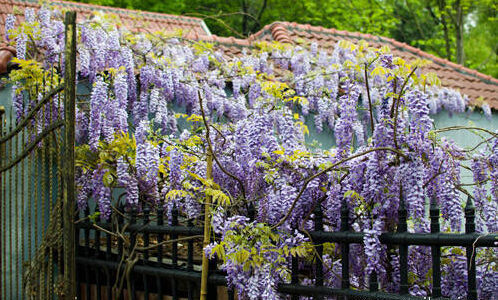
<point x="124" y="255"/>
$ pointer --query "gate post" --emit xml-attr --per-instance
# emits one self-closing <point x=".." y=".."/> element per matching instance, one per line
<point x="69" y="168"/>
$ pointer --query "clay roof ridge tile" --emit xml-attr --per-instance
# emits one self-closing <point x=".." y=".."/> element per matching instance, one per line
<point x="157" y="20"/>
<point x="280" y="33"/>
<point x="261" y="32"/>
<point x="402" y="46"/>
<point x="442" y="61"/>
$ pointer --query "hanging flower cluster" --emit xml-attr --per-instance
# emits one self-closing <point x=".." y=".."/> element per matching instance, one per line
<point x="158" y="105"/>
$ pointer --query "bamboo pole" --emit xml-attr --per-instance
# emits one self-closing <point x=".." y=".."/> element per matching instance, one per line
<point x="69" y="185"/>
<point x="207" y="228"/>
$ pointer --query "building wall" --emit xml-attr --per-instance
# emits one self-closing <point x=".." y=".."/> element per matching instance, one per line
<point x="463" y="138"/>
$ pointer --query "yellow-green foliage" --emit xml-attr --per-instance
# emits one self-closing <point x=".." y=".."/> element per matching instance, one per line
<point x="250" y="246"/>
<point x="34" y="78"/>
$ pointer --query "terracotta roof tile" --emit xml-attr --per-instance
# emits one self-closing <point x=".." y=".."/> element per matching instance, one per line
<point x="130" y="18"/>
<point x="469" y="82"/>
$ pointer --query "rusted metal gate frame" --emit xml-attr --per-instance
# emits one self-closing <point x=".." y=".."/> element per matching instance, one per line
<point x="19" y="143"/>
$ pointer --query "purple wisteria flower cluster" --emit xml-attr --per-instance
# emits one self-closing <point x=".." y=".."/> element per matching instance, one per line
<point x="158" y="107"/>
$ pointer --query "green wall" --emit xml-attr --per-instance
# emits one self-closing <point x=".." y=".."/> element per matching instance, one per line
<point x="463" y="138"/>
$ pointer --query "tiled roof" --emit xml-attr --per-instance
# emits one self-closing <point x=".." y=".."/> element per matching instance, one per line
<point x="133" y="19"/>
<point x="468" y="81"/>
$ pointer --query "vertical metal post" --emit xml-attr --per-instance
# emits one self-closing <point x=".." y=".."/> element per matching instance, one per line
<point x="17" y="266"/>
<point x="23" y="201"/>
<point x="190" y="261"/>
<point x="78" y="274"/>
<point x="212" y="288"/>
<point x="133" y="242"/>
<point x="10" y="212"/>
<point x="470" y="227"/>
<point x="344" y="246"/>
<point x="373" y="283"/>
<point x="87" y="254"/>
<point x="2" y="211"/>
<point x="435" y="250"/>
<point x="146" y="238"/>
<point x="403" y="249"/>
<point x="160" y="222"/>
<point x="108" y="252"/>
<point x="96" y="255"/>
<point x="294" y="274"/>
<point x="319" y="249"/>
<point x="69" y="169"/>
<point x="121" y="220"/>
<point x="174" y="250"/>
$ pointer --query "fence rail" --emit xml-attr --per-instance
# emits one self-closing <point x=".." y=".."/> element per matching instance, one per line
<point x="175" y="272"/>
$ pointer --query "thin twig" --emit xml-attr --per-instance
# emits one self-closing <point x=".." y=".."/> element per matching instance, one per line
<point x="397" y="107"/>
<point x="309" y="179"/>
<point x="474" y="249"/>
<point x="208" y="139"/>
<point x="465" y="128"/>
<point x="187" y="238"/>
<point x="369" y="100"/>
<point x="104" y="230"/>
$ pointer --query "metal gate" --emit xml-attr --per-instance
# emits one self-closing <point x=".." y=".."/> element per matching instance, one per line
<point x="37" y="185"/>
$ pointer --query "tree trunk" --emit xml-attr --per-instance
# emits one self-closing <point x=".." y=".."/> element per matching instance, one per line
<point x="244" y="18"/>
<point x="459" y="33"/>
<point x="442" y="10"/>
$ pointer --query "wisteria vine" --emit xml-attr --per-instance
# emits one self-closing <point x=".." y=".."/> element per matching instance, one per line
<point x="142" y="131"/>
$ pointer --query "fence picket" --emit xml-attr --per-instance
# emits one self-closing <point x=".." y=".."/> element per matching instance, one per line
<point x="403" y="249"/>
<point x="146" y="238"/>
<point x="96" y="255"/>
<point x="160" y="222"/>
<point x="318" y="248"/>
<point x="190" y="262"/>
<point x="373" y="285"/>
<point x="174" y="250"/>
<point x="133" y="244"/>
<point x="435" y="250"/>
<point x="87" y="254"/>
<point x="470" y="227"/>
<point x="344" y="245"/>
<point x="165" y="272"/>
<point x="108" y="254"/>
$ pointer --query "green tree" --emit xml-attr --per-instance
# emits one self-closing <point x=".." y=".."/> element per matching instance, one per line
<point x="481" y="40"/>
<point x="459" y="30"/>
<point x="463" y="31"/>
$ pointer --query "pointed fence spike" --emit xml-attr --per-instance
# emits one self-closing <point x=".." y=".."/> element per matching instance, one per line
<point x="401" y="199"/>
<point x="434" y="216"/>
<point x="402" y="214"/>
<point x="469" y="204"/>
<point x="434" y="204"/>
<point x="344" y="215"/>
<point x="318" y="218"/>
<point x="251" y="211"/>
